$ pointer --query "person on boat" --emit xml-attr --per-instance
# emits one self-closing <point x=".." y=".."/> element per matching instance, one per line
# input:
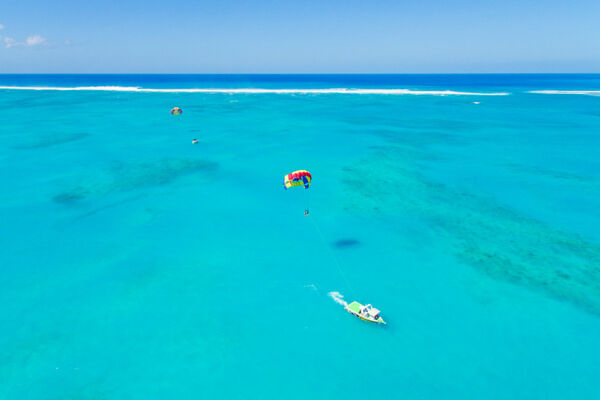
<point x="194" y="141"/>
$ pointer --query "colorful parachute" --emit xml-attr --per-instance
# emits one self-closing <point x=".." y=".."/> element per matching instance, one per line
<point x="176" y="111"/>
<point x="297" y="178"/>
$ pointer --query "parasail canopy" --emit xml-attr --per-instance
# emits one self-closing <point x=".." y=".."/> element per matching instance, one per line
<point x="297" y="178"/>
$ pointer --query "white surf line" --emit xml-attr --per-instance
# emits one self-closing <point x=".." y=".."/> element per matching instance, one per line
<point x="584" y="92"/>
<point x="338" y="298"/>
<point x="255" y="91"/>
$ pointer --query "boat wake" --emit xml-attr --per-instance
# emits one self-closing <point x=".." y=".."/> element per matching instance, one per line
<point x="338" y="298"/>
<point x="311" y="286"/>
<point x="137" y="89"/>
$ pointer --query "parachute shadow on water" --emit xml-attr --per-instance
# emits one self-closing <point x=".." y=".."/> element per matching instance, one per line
<point x="346" y="243"/>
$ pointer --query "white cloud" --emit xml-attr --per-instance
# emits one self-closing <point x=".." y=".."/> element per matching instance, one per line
<point x="10" y="42"/>
<point x="35" y="40"/>
<point x="31" y="41"/>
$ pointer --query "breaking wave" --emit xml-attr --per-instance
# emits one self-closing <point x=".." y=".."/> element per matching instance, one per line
<point x="338" y="298"/>
<point x="256" y="91"/>
<point x="584" y="92"/>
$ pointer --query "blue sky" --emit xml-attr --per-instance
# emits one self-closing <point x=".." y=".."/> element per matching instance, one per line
<point x="232" y="36"/>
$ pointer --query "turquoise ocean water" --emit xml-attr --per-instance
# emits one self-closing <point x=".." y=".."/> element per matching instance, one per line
<point x="136" y="265"/>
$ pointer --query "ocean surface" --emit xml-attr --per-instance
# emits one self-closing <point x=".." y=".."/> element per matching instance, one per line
<point x="137" y="265"/>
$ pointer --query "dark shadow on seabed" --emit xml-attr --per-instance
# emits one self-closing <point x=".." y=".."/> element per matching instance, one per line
<point x="125" y="177"/>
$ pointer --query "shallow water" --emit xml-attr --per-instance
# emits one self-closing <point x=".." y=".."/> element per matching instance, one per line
<point x="137" y="265"/>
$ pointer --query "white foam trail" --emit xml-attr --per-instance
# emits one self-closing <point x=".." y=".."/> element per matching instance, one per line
<point x="338" y="298"/>
<point x="255" y="91"/>
<point x="584" y="92"/>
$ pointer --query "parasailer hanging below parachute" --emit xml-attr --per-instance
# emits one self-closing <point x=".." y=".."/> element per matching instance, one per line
<point x="297" y="178"/>
<point x="176" y="111"/>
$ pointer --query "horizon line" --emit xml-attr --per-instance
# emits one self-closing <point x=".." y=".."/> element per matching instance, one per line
<point x="299" y="73"/>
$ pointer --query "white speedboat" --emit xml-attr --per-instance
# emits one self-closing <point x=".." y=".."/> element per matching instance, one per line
<point x="366" y="313"/>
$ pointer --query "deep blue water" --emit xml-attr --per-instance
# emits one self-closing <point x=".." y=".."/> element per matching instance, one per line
<point x="136" y="265"/>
